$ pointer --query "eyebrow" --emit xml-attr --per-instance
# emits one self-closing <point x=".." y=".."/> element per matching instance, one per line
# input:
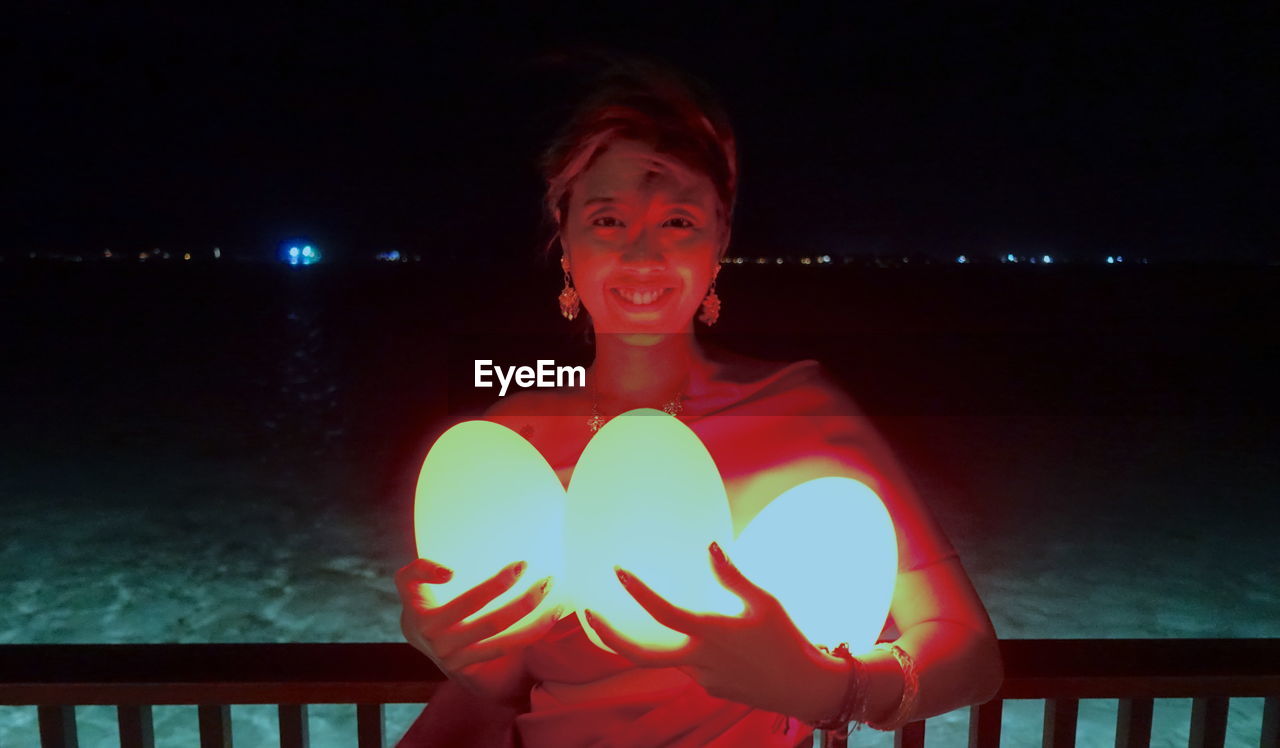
<point x="607" y="199"/>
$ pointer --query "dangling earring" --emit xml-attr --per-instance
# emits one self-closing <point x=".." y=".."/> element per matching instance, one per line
<point x="569" y="303"/>
<point x="711" y="304"/>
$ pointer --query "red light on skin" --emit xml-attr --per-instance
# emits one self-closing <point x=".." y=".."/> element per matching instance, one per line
<point x="639" y="221"/>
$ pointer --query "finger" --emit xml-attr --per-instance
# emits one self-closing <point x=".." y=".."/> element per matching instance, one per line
<point x="494" y="623"/>
<point x="417" y="572"/>
<point x="735" y="581"/>
<point x="491" y="649"/>
<point x="662" y="611"/>
<point x="641" y="656"/>
<point x="477" y="597"/>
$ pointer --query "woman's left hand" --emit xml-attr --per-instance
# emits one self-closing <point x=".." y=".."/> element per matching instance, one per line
<point x="758" y="658"/>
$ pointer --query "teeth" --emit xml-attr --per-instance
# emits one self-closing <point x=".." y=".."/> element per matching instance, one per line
<point x="640" y="297"/>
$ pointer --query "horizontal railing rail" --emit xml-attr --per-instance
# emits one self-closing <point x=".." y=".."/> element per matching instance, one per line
<point x="56" y="678"/>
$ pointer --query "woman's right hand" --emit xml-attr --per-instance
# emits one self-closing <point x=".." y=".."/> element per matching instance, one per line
<point x="471" y="653"/>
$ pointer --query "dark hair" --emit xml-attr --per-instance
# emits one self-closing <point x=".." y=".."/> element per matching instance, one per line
<point x="652" y="102"/>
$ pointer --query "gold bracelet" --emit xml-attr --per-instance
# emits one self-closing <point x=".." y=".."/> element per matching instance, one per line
<point x="910" y="689"/>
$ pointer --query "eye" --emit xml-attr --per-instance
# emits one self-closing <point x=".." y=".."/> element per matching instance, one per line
<point x="679" y="219"/>
<point x="607" y="222"/>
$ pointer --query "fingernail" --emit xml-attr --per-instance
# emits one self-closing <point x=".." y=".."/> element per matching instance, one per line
<point x="444" y="574"/>
<point x="623" y="577"/>
<point x="717" y="551"/>
<point x="518" y="569"/>
<point x="590" y="618"/>
<point x="546" y="584"/>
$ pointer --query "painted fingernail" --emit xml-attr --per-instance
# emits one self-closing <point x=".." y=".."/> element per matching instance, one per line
<point x="717" y="551"/>
<point x="443" y="574"/>
<point x="590" y="618"/>
<point x="623" y="577"/>
<point x="518" y="569"/>
<point x="546" y="584"/>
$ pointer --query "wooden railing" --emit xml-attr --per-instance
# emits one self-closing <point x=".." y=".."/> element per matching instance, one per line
<point x="133" y="678"/>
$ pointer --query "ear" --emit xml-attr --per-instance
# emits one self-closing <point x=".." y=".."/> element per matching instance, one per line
<point x="724" y="245"/>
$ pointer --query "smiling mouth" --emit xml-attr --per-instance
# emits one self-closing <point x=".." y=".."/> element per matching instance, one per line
<point x="641" y="296"/>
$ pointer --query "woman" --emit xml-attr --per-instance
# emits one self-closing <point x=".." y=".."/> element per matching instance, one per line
<point x="641" y="187"/>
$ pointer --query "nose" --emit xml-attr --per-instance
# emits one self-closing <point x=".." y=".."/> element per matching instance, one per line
<point x="643" y="252"/>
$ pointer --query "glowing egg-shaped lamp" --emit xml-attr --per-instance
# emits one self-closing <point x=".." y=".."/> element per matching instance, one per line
<point x="826" y="550"/>
<point x="645" y="496"/>
<point x="486" y="498"/>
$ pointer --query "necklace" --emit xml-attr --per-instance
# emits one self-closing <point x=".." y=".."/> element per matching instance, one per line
<point x="674" y="406"/>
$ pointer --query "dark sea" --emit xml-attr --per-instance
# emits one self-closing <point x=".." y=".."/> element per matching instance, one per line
<point x="227" y="453"/>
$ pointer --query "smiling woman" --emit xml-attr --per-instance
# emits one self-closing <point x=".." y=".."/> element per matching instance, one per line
<point x="641" y="186"/>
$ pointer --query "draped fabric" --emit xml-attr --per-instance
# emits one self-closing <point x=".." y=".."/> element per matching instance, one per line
<point x="765" y="435"/>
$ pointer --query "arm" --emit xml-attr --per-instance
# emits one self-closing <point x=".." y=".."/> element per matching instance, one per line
<point x="948" y="634"/>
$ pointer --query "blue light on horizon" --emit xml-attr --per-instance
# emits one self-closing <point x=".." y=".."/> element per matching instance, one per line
<point x="298" y="253"/>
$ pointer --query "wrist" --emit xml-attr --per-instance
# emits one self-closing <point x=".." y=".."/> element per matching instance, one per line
<point x="884" y="688"/>
<point x="831" y="687"/>
<point x="842" y="690"/>
<point x="871" y="688"/>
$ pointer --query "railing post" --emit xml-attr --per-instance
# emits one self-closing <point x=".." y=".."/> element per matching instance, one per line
<point x="984" y="724"/>
<point x="1270" y="722"/>
<point x="1209" y="722"/>
<point x="293" y="726"/>
<point x="58" y="726"/>
<point x="136" y="727"/>
<point x="910" y="735"/>
<point x="215" y="725"/>
<point x="369" y="726"/>
<point x="1133" y="723"/>
<point x="1060" y="716"/>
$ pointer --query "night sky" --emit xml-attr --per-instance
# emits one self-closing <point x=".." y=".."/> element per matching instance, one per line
<point x="1027" y="127"/>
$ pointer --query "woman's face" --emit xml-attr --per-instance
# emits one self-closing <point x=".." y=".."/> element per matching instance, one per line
<point x="643" y="240"/>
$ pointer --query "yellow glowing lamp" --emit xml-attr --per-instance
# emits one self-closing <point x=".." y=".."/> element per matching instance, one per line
<point x="645" y="496"/>
<point x="485" y="498"/>
<point x="826" y="550"/>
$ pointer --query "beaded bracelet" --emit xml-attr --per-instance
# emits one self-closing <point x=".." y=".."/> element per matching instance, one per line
<point x="910" y="689"/>
<point x="854" y="696"/>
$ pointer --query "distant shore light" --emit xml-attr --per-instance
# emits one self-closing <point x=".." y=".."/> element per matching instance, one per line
<point x="298" y="252"/>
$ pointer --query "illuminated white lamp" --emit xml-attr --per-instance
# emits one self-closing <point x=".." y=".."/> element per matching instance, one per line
<point x="645" y="496"/>
<point x="486" y="498"/>
<point x="835" y="578"/>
